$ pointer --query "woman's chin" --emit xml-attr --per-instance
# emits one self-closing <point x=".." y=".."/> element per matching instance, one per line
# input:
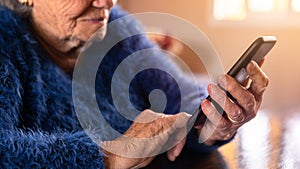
<point x="69" y="65"/>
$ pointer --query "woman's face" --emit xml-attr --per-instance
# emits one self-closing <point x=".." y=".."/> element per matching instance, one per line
<point x="63" y="26"/>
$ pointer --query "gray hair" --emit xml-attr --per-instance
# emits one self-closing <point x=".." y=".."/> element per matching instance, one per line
<point x="17" y="7"/>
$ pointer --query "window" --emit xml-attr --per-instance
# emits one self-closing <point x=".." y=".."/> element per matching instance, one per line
<point x="229" y="9"/>
<point x="261" y="5"/>
<point x="295" y="5"/>
<point x="264" y="12"/>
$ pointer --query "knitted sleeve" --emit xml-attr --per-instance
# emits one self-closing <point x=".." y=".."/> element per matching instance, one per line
<point x="24" y="148"/>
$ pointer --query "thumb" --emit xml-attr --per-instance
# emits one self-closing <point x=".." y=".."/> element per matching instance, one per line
<point x="176" y="150"/>
<point x="178" y="135"/>
<point x="181" y="120"/>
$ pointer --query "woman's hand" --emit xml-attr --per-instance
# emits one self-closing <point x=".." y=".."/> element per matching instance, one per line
<point x="149" y="135"/>
<point x="245" y="108"/>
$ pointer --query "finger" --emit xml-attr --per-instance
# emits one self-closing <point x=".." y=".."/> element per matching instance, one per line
<point x="206" y="134"/>
<point x="148" y="116"/>
<point x="144" y="163"/>
<point x="175" y="151"/>
<point x="224" y="128"/>
<point x="181" y="119"/>
<point x="244" y="98"/>
<point x="176" y="134"/>
<point x="213" y="115"/>
<point x="222" y="135"/>
<point x="210" y="134"/>
<point x="158" y="123"/>
<point x="176" y="140"/>
<point x="260" y="81"/>
<point x="177" y="125"/>
<point x="233" y="111"/>
<point x="247" y="83"/>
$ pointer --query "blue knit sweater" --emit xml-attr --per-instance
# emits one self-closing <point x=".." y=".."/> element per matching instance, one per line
<point x="38" y="125"/>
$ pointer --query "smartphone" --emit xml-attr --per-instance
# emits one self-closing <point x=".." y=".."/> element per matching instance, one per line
<point x="256" y="51"/>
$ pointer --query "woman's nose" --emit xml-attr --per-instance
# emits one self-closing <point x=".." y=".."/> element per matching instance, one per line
<point x="104" y="3"/>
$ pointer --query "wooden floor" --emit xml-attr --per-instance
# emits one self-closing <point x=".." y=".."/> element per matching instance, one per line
<point x="268" y="142"/>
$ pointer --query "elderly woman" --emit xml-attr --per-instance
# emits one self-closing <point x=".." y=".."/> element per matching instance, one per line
<point x="40" y="43"/>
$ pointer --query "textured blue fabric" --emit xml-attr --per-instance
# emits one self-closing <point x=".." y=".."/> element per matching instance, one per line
<point x="38" y="125"/>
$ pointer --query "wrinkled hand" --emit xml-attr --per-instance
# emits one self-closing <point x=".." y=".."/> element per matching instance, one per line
<point x="248" y="101"/>
<point x="148" y="136"/>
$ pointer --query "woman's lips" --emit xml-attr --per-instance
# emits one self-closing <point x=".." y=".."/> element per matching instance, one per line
<point x="96" y="20"/>
<point x="94" y="16"/>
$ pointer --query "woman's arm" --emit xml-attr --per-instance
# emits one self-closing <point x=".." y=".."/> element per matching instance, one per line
<point x="33" y="148"/>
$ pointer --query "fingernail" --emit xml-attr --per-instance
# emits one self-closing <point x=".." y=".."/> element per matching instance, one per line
<point x="205" y="102"/>
<point x="223" y="80"/>
<point x="251" y="65"/>
<point x="177" y="152"/>
<point x="209" y="88"/>
<point x="171" y="157"/>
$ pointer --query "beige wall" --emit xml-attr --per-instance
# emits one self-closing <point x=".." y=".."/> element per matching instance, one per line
<point x="283" y="65"/>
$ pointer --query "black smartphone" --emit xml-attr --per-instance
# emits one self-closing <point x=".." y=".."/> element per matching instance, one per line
<point x="256" y="51"/>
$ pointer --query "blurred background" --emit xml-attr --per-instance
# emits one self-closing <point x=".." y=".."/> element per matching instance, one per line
<point x="231" y="26"/>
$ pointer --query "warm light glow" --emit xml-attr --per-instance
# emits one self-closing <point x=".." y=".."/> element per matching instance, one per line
<point x="295" y="5"/>
<point x="229" y="9"/>
<point x="261" y="5"/>
<point x="282" y="5"/>
<point x="256" y="11"/>
<point x="254" y="139"/>
<point x="291" y="148"/>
